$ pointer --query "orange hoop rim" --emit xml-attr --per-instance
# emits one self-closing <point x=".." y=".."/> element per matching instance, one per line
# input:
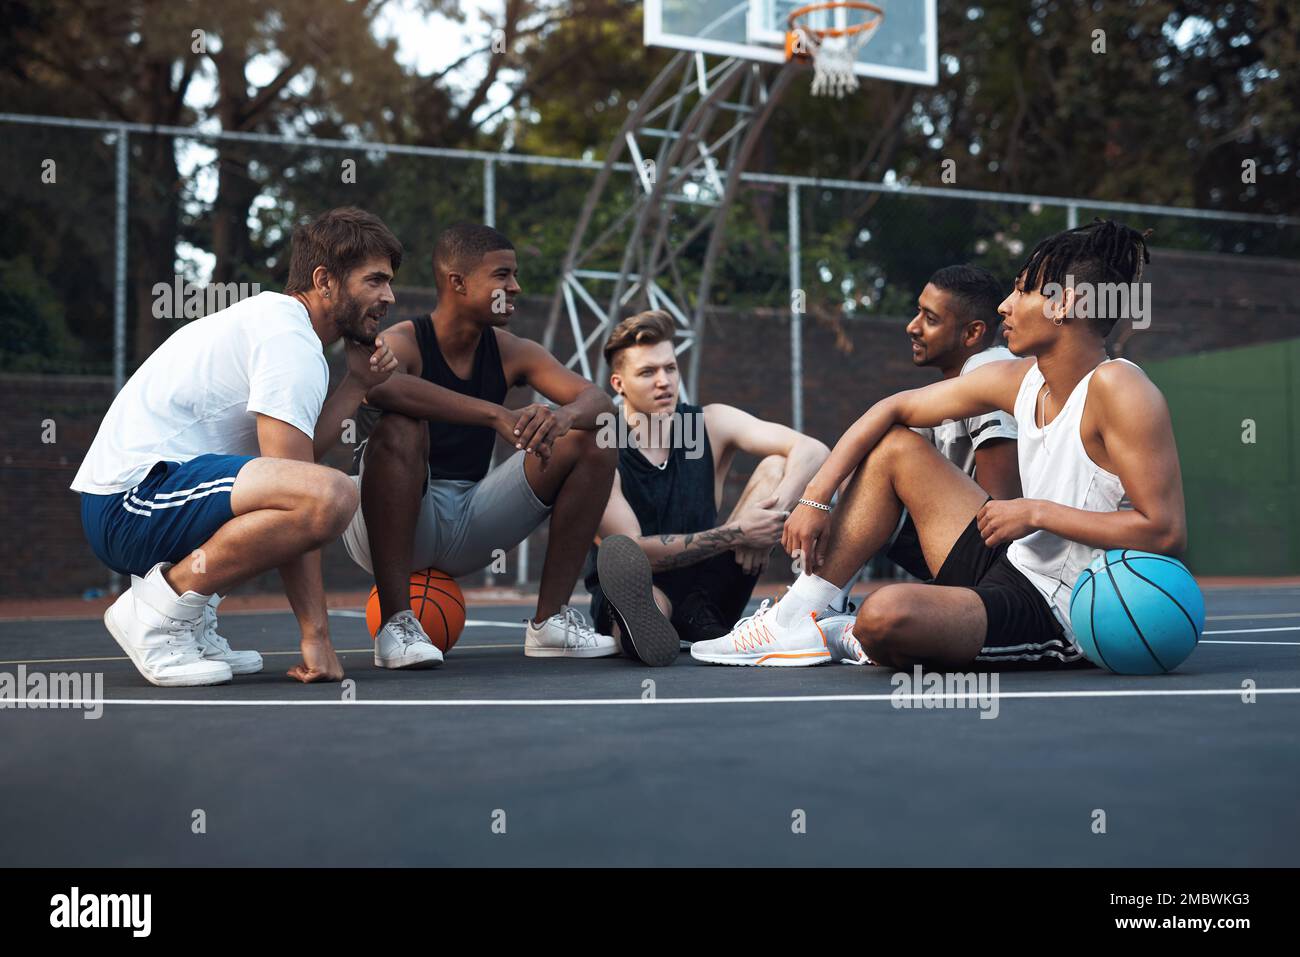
<point x="850" y="30"/>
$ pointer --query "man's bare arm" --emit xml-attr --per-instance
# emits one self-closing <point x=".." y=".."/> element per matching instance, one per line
<point x="303" y="585"/>
<point x="997" y="468"/>
<point x="737" y="429"/>
<point x="366" y="369"/>
<point x="672" y="550"/>
<point x="990" y="387"/>
<point x="408" y="393"/>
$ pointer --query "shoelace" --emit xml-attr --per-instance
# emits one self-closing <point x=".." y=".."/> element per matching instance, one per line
<point x="183" y="639"/>
<point x="404" y="628"/>
<point x="577" y="633"/>
<point x="852" y="648"/>
<point x="751" y="632"/>
<point x="209" y="635"/>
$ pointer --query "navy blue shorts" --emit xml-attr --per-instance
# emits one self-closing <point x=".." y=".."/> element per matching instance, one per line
<point x="176" y="508"/>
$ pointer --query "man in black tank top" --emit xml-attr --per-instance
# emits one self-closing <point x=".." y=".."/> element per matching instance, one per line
<point x="429" y="497"/>
<point x="673" y="462"/>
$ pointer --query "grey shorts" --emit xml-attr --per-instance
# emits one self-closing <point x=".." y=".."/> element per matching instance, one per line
<point x="462" y="523"/>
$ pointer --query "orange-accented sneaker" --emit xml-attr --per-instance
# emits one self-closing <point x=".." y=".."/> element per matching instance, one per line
<point x="844" y="647"/>
<point x="759" y="640"/>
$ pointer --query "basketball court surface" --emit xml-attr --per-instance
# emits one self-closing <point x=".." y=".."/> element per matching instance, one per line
<point x="498" y="759"/>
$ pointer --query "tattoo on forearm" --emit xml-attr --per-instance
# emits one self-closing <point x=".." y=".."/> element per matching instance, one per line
<point x="696" y="546"/>
<point x="671" y="539"/>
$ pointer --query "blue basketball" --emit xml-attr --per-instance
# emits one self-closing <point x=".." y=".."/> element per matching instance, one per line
<point x="1135" y="613"/>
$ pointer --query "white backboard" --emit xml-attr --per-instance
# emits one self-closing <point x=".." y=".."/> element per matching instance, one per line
<point x="904" y="48"/>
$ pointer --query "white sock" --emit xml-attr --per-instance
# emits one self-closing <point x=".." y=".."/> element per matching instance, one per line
<point x="840" y="604"/>
<point x="808" y="594"/>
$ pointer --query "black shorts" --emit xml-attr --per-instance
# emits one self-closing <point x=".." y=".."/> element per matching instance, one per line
<point x="719" y="577"/>
<point x="905" y="552"/>
<point x="1022" y="631"/>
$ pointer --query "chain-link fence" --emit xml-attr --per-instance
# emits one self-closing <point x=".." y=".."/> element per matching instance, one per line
<point x="220" y="207"/>
<point x="115" y="234"/>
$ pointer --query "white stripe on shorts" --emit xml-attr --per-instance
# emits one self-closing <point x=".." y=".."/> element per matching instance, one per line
<point x="1055" y="648"/>
<point x="214" y="487"/>
<point x="188" y="491"/>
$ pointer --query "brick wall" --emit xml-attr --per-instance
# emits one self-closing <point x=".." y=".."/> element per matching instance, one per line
<point x="1202" y="303"/>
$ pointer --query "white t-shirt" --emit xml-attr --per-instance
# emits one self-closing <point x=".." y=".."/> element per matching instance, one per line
<point x="958" y="440"/>
<point x="197" y="394"/>
<point x="1055" y="466"/>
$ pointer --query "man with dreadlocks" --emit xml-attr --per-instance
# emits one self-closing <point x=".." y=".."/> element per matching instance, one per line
<point x="1091" y="432"/>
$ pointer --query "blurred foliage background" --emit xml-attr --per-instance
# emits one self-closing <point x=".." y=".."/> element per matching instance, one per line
<point x="1184" y="94"/>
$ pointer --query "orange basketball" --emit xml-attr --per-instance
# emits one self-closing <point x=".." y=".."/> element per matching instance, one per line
<point x="436" y="600"/>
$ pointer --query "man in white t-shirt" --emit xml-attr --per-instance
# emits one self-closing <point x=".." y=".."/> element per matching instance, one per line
<point x="203" y="472"/>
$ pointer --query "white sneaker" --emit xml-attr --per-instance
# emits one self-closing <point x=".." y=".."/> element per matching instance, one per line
<point x="567" y="635"/>
<point x="759" y="640"/>
<point x="215" y="648"/>
<point x="402" y="643"/>
<point x="159" y="633"/>
<point x="844" y="647"/>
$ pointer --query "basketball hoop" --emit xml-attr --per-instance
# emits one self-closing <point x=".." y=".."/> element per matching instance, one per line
<point x="833" y="51"/>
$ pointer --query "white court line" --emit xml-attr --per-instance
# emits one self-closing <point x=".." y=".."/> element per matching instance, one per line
<point x="469" y="623"/>
<point x="275" y="654"/>
<point x="1250" y="631"/>
<point x="1212" y="642"/>
<point x="973" y="698"/>
<point x="1279" y="614"/>
<point x="366" y="651"/>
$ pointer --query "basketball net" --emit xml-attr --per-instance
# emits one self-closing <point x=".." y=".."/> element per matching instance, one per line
<point x="833" y="61"/>
<point x="833" y="51"/>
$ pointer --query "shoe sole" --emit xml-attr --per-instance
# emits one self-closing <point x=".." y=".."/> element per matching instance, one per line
<point x="544" y="652"/>
<point x="627" y="582"/>
<point x="122" y="643"/>
<point x="398" y="664"/>
<point x="776" y="659"/>
<point x="241" y="670"/>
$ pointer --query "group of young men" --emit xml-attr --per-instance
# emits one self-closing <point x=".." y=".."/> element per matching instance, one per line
<point x="993" y="487"/>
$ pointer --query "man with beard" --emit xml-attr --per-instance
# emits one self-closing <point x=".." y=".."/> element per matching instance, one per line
<point x="955" y="331"/>
<point x="203" y="472"/>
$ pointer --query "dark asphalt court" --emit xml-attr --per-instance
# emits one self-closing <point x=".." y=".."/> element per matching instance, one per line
<point x="1183" y="780"/>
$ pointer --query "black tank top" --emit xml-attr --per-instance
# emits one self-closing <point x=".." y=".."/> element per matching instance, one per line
<point x="672" y="500"/>
<point x="461" y="451"/>
<point x="455" y="451"/>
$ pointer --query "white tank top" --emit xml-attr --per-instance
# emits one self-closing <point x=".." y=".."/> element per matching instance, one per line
<point x="1054" y="466"/>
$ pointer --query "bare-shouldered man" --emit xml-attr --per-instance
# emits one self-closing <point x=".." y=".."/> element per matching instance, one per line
<point x="673" y="462"/>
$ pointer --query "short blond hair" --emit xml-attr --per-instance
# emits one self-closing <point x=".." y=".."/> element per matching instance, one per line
<point x="644" y="329"/>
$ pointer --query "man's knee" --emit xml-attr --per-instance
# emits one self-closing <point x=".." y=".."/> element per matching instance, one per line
<point x="332" y="503"/>
<point x="663" y="602"/>
<point x="769" y="469"/>
<point x="898" y="442"/>
<point x="585" y="445"/>
<point x="880" y="622"/>
<point x="398" y="437"/>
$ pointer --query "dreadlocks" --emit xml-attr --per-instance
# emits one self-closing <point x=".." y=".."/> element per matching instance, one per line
<point x="1103" y="251"/>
